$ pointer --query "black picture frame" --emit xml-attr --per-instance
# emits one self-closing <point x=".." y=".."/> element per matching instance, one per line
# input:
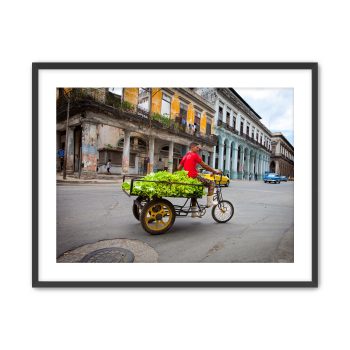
<point x="37" y="67"/>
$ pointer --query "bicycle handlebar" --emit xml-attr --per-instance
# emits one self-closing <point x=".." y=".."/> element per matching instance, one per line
<point x="219" y="182"/>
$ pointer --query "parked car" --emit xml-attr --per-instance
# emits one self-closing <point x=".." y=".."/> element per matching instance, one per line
<point x="283" y="178"/>
<point x="225" y="180"/>
<point x="272" y="178"/>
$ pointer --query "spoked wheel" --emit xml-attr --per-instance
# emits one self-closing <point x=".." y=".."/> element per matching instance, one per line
<point x="222" y="212"/>
<point x="136" y="210"/>
<point x="157" y="216"/>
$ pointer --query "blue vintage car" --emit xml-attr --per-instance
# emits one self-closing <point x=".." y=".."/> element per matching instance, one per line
<point x="272" y="178"/>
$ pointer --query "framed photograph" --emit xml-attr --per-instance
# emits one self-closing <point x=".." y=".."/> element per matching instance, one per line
<point x="175" y="175"/>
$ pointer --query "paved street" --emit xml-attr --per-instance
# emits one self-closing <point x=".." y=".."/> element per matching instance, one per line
<point x="260" y="231"/>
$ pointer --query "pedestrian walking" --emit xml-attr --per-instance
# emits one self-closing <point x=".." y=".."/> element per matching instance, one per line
<point x="109" y="166"/>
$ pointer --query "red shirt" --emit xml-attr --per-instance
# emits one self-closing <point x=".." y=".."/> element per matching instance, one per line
<point x="189" y="162"/>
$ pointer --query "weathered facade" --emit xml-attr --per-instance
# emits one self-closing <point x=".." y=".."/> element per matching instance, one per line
<point x="244" y="143"/>
<point x="141" y="131"/>
<point x="282" y="158"/>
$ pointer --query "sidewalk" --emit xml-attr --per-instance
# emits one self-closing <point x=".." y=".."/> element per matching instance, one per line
<point x="100" y="179"/>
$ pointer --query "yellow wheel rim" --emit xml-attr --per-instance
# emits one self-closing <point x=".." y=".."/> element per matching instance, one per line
<point x="158" y="217"/>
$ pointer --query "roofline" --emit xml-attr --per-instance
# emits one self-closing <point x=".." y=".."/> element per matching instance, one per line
<point x="280" y="134"/>
<point x="242" y="99"/>
<point x="259" y="119"/>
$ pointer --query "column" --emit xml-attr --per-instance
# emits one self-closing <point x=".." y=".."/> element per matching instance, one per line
<point x="256" y="167"/>
<point x="260" y="168"/>
<point x="277" y="166"/>
<point x="151" y="155"/>
<point x="234" y="163"/>
<point x="242" y="164"/>
<point x="213" y="155"/>
<point x="171" y="157"/>
<point x="210" y="158"/>
<point x="221" y="156"/>
<point x="228" y="159"/>
<point x="248" y="166"/>
<point x="70" y="151"/>
<point x="126" y="152"/>
<point x="252" y="161"/>
<point x="89" y="149"/>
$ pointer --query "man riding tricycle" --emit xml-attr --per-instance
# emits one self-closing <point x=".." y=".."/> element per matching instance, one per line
<point x="157" y="214"/>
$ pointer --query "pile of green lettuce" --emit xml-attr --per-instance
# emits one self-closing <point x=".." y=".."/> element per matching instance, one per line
<point x="167" y="188"/>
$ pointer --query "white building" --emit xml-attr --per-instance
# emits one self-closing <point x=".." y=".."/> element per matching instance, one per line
<point x="244" y="143"/>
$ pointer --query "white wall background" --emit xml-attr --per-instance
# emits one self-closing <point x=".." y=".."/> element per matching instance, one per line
<point x="179" y="31"/>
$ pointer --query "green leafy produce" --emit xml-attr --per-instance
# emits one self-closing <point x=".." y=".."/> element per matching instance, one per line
<point x="163" y="184"/>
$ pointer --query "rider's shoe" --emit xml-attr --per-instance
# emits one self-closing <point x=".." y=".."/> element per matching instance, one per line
<point x="211" y="202"/>
<point x="195" y="212"/>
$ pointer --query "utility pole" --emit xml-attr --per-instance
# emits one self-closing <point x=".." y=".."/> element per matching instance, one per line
<point x="67" y="95"/>
<point x="150" y="106"/>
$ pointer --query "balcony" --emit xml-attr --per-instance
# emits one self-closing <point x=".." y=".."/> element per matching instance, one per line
<point x="281" y="155"/>
<point x="80" y="102"/>
<point x="227" y="127"/>
<point x="255" y="142"/>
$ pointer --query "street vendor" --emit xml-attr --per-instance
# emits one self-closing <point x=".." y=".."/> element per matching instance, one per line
<point x="189" y="163"/>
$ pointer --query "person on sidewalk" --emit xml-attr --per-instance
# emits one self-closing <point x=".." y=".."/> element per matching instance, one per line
<point x="189" y="163"/>
<point x="109" y="166"/>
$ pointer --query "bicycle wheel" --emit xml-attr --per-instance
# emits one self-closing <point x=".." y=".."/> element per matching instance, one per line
<point x="135" y="211"/>
<point x="135" y="208"/>
<point x="157" y="216"/>
<point x="222" y="212"/>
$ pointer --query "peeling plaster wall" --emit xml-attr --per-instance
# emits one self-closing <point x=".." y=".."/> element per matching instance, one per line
<point x="157" y="95"/>
<point x="190" y="114"/>
<point x="131" y="95"/>
<point x="99" y="94"/>
<point x="203" y="122"/>
<point x="89" y="147"/>
<point x="175" y="106"/>
<point x="108" y="135"/>
<point x="70" y="151"/>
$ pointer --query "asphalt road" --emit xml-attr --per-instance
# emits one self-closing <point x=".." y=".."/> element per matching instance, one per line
<point x="260" y="231"/>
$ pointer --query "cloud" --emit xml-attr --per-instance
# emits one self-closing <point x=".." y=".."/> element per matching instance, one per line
<point x="275" y="107"/>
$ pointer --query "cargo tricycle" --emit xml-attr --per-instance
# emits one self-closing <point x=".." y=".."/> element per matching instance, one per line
<point x="157" y="215"/>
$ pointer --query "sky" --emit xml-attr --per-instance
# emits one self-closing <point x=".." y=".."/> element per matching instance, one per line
<point x="275" y="107"/>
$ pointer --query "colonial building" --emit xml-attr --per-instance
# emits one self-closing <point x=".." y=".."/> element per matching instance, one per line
<point x="141" y="130"/>
<point x="282" y="158"/>
<point x="244" y="142"/>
